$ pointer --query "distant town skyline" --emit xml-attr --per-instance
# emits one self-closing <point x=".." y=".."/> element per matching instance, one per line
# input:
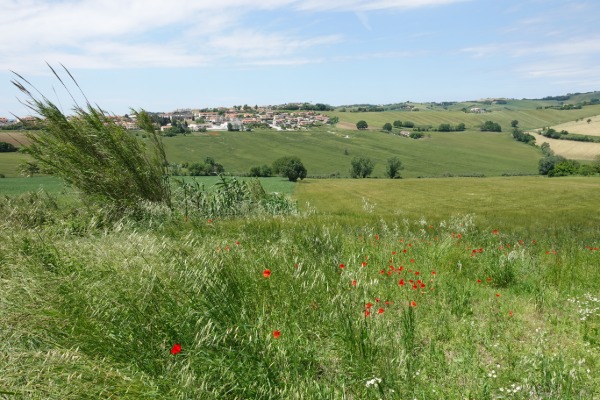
<point x="204" y="54"/>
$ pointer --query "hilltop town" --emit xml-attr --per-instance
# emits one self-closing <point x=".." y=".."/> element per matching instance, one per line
<point x="236" y="118"/>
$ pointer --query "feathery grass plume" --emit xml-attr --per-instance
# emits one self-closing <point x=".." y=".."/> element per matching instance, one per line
<point x="94" y="154"/>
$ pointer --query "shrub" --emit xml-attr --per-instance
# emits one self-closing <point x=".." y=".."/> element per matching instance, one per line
<point x="7" y="147"/>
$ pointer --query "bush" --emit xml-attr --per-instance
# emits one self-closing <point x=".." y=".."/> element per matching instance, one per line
<point x="261" y="171"/>
<point x="490" y="126"/>
<point x="7" y="147"/>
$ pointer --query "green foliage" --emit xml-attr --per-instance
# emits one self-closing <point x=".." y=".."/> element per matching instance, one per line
<point x="387" y="127"/>
<point x="333" y="120"/>
<point x="444" y="128"/>
<point x="361" y="167"/>
<point x="290" y="167"/>
<point x="7" y="147"/>
<point x="261" y="171"/>
<point x="362" y="125"/>
<point x="524" y="137"/>
<point x="92" y="153"/>
<point x="415" y="135"/>
<point x="548" y="163"/>
<point x="564" y="168"/>
<point x="230" y="198"/>
<point x="490" y="126"/>
<point x="514" y="123"/>
<point x="393" y="168"/>
<point x="397" y="124"/>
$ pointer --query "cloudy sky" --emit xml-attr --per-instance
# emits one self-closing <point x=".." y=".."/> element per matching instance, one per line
<point x="160" y="55"/>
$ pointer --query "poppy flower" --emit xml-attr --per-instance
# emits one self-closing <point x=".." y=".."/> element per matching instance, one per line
<point x="432" y="272"/>
<point x="510" y="313"/>
<point x="401" y="283"/>
<point x="478" y="280"/>
<point x="267" y="273"/>
<point x="354" y="282"/>
<point x="380" y="311"/>
<point x="368" y="305"/>
<point x="342" y="266"/>
<point x="413" y="303"/>
<point x="276" y="334"/>
<point x="497" y="294"/>
<point x="495" y="231"/>
<point x="209" y="221"/>
<point x="364" y="263"/>
<point x="176" y="349"/>
<point x="367" y="313"/>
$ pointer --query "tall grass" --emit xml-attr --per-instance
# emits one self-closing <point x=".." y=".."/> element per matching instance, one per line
<point x="94" y="154"/>
<point x="95" y="313"/>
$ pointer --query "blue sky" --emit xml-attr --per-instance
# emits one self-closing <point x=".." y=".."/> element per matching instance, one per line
<point x="161" y="56"/>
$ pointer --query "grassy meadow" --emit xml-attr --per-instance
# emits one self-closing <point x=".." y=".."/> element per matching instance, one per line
<point x="456" y="288"/>
<point x="478" y="288"/>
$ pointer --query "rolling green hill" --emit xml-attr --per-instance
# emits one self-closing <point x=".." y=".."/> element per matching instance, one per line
<point x="329" y="151"/>
<point x="524" y="111"/>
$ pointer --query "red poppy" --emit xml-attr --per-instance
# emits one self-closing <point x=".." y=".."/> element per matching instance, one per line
<point x="413" y="303"/>
<point x="342" y="266"/>
<point x="276" y="334"/>
<point x="354" y="282"/>
<point x="510" y="313"/>
<point x="495" y="231"/>
<point x="432" y="272"/>
<point x="488" y="279"/>
<point x="364" y="263"/>
<point x="497" y="294"/>
<point x="368" y="305"/>
<point x="478" y="280"/>
<point x="367" y="313"/>
<point x="209" y="221"/>
<point x="417" y="273"/>
<point x="267" y="273"/>
<point x="380" y="311"/>
<point x="412" y="260"/>
<point x="176" y="349"/>
<point x="401" y="283"/>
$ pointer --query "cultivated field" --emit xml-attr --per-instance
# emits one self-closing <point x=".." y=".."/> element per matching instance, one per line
<point x="570" y="148"/>
<point x="581" y="126"/>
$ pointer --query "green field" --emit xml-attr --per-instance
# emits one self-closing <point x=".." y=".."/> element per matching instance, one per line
<point x="323" y="151"/>
<point x="476" y="288"/>
<point x="521" y="110"/>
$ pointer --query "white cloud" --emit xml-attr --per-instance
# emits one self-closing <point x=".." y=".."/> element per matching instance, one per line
<point x="114" y="33"/>
<point x="361" y="5"/>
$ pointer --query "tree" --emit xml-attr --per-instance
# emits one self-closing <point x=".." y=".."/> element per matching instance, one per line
<point x="444" y="128"/>
<point x="548" y="163"/>
<point x="362" y="125"/>
<point x="290" y="167"/>
<point x="394" y="166"/>
<point x="6" y="147"/>
<point x="490" y="126"/>
<point x="387" y="127"/>
<point x="514" y="123"/>
<point x="397" y="124"/>
<point x="460" y="127"/>
<point x="361" y="167"/>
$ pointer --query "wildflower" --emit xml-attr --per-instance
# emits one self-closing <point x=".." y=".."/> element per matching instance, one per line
<point x="413" y="303"/>
<point x="497" y="294"/>
<point x="276" y="334"/>
<point x="401" y="282"/>
<point x="176" y="349"/>
<point x="237" y="243"/>
<point x="267" y="273"/>
<point x="342" y="266"/>
<point x="478" y="280"/>
<point x="367" y="313"/>
<point x="368" y="305"/>
<point x="510" y="313"/>
<point x="354" y="282"/>
<point x="488" y="279"/>
<point x="380" y="311"/>
<point x="432" y="272"/>
<point x="371" y="382"/>
<point x="209" y="221"/>
<point x="364" y="263"/>
<point x="495" y="231"/>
